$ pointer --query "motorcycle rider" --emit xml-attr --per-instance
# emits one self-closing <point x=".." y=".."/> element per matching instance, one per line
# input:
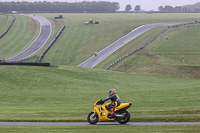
<point x="115" y="101"/>
<point x="95" y="53"/>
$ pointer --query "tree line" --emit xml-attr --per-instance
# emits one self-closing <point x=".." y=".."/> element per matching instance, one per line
<point x="136" y="9"/>
<point x="174" y="9"/>
<point x="59" y="7"/>
<point x="186" y="8"/>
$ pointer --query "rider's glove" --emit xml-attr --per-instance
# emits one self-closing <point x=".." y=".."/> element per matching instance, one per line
<point x="101" y="102"/>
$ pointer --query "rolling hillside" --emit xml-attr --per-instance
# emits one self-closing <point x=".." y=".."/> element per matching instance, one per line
<point x="24" y="30"/>
<point x="177" y="56"/>
<point x="3" y="20"/>
<point x="78" y="41"/>
<point x="68" y="93"/>
<point x="161" y="86"/>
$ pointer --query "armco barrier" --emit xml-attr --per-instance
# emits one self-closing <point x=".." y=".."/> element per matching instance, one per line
<point x="20" y="60"/>
<point x="49" y="46"/>
<point x="26" y="64"/>
<point x="123" y="57"/>
<point x="11" y="23"/>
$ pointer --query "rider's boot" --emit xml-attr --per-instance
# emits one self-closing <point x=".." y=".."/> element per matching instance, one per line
<point x="111" y="111"/>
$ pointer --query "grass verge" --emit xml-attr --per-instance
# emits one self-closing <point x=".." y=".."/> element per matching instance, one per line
<point x="177" y="56"/>
<point x="4" y="22"/>
<point x="79" y="41"/>
<point x="22" y="33"/>
<point x="99" y="129"/>
<point x="68" y="93"/>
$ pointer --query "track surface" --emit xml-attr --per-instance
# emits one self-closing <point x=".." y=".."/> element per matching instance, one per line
<point x="94" y="60"/>
<point x="87" y="124"/>
<point x="45" y="32"/>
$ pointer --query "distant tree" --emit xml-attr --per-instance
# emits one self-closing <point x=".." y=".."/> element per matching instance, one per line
<point x="64" y="7"/>
<point x="169" y="8"/>
<point x="161" y="8"/>
<point x="186" y="8"/>
<point x="196" y="9"/>
<point x="178" y="8"/>
<point x="128" y="8"/>
<point x="137" y="8"/>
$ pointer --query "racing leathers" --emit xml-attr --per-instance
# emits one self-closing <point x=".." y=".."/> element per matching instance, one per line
<point x="115" y="102"/>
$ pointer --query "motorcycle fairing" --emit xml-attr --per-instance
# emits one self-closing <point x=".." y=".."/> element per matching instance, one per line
<point x="103" y="112"/>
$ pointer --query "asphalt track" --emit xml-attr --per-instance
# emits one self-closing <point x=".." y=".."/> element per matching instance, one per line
<point x="94" y="60"/>
<point x="45" y="32"/>
<point x="87" y="124"/>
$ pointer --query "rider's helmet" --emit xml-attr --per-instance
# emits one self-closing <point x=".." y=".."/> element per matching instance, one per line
<point x="111" y="91"/>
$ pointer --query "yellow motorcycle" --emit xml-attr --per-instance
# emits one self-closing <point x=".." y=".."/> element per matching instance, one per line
<point x="101" y="113"/>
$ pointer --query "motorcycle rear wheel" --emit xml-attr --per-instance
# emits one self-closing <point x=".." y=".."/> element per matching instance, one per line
<point x="92" y="118"/>
<point x="125" y="118"/>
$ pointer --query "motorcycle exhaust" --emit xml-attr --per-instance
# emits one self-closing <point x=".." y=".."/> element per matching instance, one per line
<point x="117" y="115"/>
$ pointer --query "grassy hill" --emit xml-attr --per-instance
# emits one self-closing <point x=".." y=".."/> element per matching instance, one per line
<point x="177" y="56"/>
<point x="79" y="41"/>
<point x="68" y="93"/>
<point x="161" y="86"/>
<point x="22" y="33"/>
<point x="3" y="20"/>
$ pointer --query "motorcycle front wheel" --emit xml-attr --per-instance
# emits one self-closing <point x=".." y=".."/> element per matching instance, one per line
<point x="93" y="118"/>
<point x="124" y="118"/>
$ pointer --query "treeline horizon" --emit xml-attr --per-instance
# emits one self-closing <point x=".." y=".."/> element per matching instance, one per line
<point x="59" y="7"/>
<point x="187" y="8"/>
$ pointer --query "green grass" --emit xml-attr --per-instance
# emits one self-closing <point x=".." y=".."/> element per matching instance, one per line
<point x="68" y="93"/>
<point x="3" y="20"/>
<point x="78" y="41"/>
<point x="99" y="129"/>
<point x="161" y="87"/>
<point x="131" y="46"/>
<point x="56" y="26"/>
<point x="182" y="45"/>
<point x="22" y="33"/>
<point x="178" y="56"/>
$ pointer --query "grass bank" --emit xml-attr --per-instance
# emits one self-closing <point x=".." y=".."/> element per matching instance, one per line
<point x="4" y="22"/>
<point x="68" y="93"/>
<point x="22" y="33"/>
<point x="98" y="129"/>
<point x="3" y="19"/>
<point x="79" y="41"/>
<point x="178" y="56"/>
